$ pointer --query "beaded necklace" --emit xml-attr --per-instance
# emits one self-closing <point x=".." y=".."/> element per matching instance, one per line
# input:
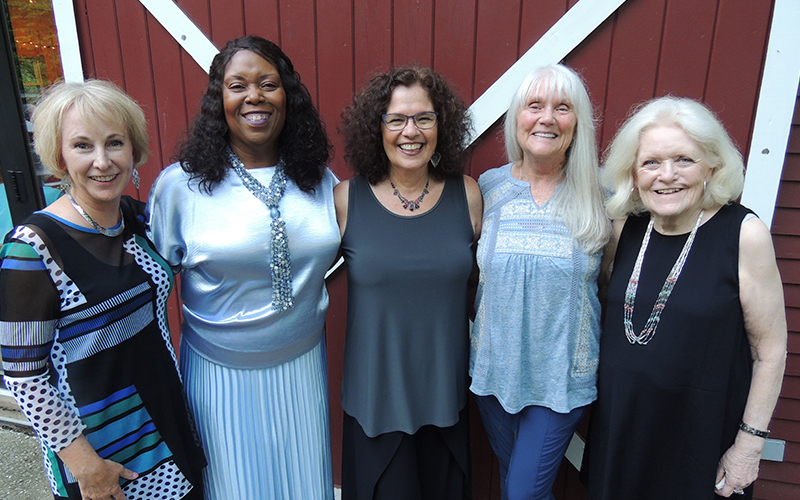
<point x="110" y="232"/>
<point x="280" y="261"/>
<point x="411" y="205"/>
<point x="633" y="284"/>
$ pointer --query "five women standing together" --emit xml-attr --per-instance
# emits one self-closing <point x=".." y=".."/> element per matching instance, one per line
<point x="249" y="216"/>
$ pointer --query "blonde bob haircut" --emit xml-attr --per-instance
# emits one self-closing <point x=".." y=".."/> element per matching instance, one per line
<point x="96" y="101"/>
<point x="700" y="124"/>
<point x="579" y="201"/>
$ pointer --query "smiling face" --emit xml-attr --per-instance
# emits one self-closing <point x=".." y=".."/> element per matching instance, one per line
<point x="410" y="148"/>
<point x="255" y="107"/>
<point x="669" y="174"/>
<point x="545" y="127"/>
<point x="98" y="158"/>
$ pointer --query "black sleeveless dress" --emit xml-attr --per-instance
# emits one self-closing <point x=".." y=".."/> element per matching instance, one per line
<point x="667" y="411"/>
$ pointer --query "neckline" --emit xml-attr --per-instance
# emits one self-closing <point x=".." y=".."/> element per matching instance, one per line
<point x="72" y="225"/>
<point x="527" y="186"/>
<point x="413" y="216"/>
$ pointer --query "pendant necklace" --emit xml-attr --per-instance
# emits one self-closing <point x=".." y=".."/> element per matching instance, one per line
<point x="110" y="232"/>
<point x="280" y="261"/>
<point x="411" y="205"/>
<point x="633" y="284"/>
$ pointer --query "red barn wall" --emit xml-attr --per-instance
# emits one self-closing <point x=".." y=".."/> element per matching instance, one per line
<point x="711" y="50"/>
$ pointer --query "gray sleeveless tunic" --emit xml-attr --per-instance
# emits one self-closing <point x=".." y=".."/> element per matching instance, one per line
<point x="407" y="346"/>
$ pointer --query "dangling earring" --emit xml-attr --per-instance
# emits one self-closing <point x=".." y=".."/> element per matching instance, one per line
<point x="436" y="158"/>
<point x="705" y="185"/>
<point x="135" y="178"/>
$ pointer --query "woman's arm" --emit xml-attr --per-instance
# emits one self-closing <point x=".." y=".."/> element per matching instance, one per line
<point x="341" y="199"/>
<point x="761" y="295"/>
<point x="29" y="308"/>
<point x="475" y="202"/>
<point x="607" y="263"/>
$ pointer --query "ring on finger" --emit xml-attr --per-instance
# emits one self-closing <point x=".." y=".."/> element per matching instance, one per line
<point x="739" y="492"/>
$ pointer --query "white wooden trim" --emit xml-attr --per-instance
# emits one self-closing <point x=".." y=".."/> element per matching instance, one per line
<point x="183" y="30"/>
<point x="566" y="34"/>
<point x="776" y="104"/>
<point x="68" y="46"/>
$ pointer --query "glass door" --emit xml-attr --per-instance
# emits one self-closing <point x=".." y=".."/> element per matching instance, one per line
<point x="29" y="61"/>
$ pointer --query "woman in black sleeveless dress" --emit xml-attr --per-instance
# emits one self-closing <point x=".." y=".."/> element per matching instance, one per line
<point x="694" y="341"/>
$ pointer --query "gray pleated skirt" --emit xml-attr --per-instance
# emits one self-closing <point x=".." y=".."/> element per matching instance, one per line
<point x="265" y="432"/>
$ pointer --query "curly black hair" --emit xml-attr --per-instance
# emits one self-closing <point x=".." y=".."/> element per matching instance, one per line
<point x="303" y="144"/>
<point x="362" y="123"/>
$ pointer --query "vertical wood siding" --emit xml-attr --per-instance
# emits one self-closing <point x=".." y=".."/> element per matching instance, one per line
<point x="709" y="50"/>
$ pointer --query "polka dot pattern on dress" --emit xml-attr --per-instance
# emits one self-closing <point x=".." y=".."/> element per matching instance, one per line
<point x="166" y="482"/>
<point x="163" y="285"/>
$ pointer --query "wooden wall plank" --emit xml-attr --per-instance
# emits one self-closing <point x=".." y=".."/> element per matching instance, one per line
<point x="262" y="18"/>
<point x="372" y="39"/>
<point x="786" y="221"/>
<point x="454" y="44"/>
<point x="199" y="12"/>
<point x="299" y="39"/>
<point x="591" y="59"/>
<point x="789" y="194"/>
<point x="335" y="92"/>
<point x="791" y="167"/>
<point x="335" y="85"/>
<point x="736" y="65"/>
<point x="413" y="32"/>
<point x="794" y="140"/>
<point x="168" y="83"/>
<point x="775" y="490"/>
<point x="685" y="48"/>
<point x="634" y="55"/>
<point x="106" y="55"/>
<point x="497" y="39"/>
<point x="536" y="19"/>
<point x="136" y="56"/>
<point x="227" y="21"/>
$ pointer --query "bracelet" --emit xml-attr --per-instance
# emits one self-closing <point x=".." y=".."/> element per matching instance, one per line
<point x="752" y="430"/>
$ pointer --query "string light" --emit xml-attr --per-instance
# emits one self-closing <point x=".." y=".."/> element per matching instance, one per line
<point x="36" y="45"/>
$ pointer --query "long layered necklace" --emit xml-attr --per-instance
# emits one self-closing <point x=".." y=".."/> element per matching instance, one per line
<point x="110" y="232"/>
<point x="633" y="284"/>
<point x="411" y="205"/>
<point x="280" y="261"/>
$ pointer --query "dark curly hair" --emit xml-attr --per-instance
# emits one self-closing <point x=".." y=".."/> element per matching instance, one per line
<point x="303" y="144"/>
<point x="362" y="123"/>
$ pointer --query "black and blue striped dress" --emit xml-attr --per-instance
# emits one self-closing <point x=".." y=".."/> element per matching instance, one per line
<point x="86" y="349"/>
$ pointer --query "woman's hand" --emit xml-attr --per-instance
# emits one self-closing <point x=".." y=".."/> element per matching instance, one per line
<point x="97" y="478"/>
<point x="739" y="465"/>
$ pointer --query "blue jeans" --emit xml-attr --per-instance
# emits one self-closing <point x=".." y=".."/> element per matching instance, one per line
<point x="529" y="446"/>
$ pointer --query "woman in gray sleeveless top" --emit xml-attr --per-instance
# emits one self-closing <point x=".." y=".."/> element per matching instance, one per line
<point x="409" y="220"/>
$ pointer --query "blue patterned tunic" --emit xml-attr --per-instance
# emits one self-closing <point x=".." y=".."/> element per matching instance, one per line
<point x="86" y="349"/>
<point x="536" y="335"/>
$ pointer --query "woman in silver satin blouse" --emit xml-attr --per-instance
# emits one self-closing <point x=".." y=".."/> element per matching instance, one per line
<point x="247" y="216"/>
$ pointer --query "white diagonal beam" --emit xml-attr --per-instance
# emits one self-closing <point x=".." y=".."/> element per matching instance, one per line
<point x="776" y="105"/>
<point x="183" y="30"/>
<point x="68" y="47"/>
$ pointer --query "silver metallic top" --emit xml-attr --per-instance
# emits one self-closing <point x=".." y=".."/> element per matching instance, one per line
<point x="221" y="244"/>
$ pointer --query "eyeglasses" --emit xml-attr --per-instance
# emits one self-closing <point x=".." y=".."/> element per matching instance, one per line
<point x="398" y="121"/>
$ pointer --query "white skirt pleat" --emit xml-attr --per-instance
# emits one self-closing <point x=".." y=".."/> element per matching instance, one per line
<point x="265" y="432"/>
